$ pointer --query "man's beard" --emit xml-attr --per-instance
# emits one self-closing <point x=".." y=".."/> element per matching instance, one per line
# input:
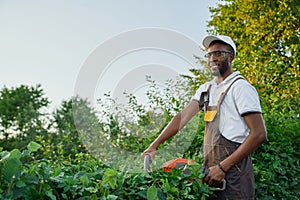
<point x="224" y="68"/>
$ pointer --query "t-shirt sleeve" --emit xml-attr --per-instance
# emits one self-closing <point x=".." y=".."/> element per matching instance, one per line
<point x="198" y="93"/>
<point x="247" y="99"/>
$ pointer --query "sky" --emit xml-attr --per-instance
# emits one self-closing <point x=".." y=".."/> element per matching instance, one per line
<point x="54" y="42"/>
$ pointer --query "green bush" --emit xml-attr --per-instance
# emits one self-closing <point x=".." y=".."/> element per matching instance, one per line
<point x="24" y="177"/>
<point x="277" y="161"/>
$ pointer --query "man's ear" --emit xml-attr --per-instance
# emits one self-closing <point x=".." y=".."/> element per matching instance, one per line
<point x="231" y="56"/>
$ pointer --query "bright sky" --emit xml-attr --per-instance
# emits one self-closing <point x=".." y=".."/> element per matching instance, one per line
<point x="47" y="42"/>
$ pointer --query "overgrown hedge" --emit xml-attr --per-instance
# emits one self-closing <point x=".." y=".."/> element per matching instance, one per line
<point x="24" y="177"/>
<point x="277" y="160"/>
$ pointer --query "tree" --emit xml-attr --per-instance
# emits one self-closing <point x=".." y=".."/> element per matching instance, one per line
<point x="21" y="114"/>
<point x="268" y="47"/>
<point x="66" y="135"/>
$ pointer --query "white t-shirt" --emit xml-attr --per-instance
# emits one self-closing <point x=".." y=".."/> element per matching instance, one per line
<point x="242" y="98"/>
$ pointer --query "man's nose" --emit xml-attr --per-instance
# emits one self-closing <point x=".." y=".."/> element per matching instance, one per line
<point x="212" y="58"/>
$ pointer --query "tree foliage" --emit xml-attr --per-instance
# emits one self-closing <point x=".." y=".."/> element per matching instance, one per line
<point x="21" y="113"/>
<point x="66" y="135"/>
<point x="268" y="48"/>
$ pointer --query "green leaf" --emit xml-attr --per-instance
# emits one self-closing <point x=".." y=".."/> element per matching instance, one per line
<point x="5" y="155"/>
<point x="32" y="169"/>
<point x="111" y="197"/>
<point x="165" y="186"/>
<point x="91" y="189"/>
<point x="15" y="153"/>
<point x="110" y="177"/>
<point x="11" y="169"/>
<point x="50" y="195"/>
<point x="20" y="184"/>
<point x="85" y="180"/>
<point x="57" y="171"/>
<point x="33" y="146"/>
<point x="152" y="193"/>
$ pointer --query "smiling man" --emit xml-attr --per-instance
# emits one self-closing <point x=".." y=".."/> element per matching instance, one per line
<point x="234" y="123"/>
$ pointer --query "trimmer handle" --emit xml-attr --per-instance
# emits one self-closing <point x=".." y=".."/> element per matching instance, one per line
<point x="223" y="186"/>
<point x="219" y="187"/>
<point x="147" y="161"/>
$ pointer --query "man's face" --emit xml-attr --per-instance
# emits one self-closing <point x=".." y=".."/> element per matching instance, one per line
<point x="219" y="59"/>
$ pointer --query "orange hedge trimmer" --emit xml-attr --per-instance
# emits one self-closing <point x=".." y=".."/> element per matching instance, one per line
<point x="181" y="163"/>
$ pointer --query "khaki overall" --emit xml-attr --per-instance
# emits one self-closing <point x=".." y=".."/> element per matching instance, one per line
<point x="239" y="178"/>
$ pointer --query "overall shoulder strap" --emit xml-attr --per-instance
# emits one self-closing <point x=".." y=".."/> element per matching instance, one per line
<point x="226" y="91"/>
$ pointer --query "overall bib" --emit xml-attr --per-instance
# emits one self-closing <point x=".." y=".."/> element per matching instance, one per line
<point x="240" y="177"/>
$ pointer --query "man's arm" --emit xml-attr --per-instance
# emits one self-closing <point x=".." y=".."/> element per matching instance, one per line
<point x="257" y="135"/>
<point x="175" y="125"/>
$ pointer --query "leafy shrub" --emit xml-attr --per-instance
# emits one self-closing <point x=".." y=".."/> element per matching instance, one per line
<point x="277" y="161"/>
<point x="87" y="178"/>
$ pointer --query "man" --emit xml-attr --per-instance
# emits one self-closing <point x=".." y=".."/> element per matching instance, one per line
<point x="234" y="123"/>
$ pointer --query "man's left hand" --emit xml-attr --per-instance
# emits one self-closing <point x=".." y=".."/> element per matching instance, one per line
<point x="215" y="175"/>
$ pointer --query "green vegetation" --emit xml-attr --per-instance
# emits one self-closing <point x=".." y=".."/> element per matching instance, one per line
<point x="25" y="177"/>
<point x="48" y="156"/>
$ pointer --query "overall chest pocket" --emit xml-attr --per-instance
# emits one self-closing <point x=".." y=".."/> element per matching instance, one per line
<point x="210" y="113"/>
